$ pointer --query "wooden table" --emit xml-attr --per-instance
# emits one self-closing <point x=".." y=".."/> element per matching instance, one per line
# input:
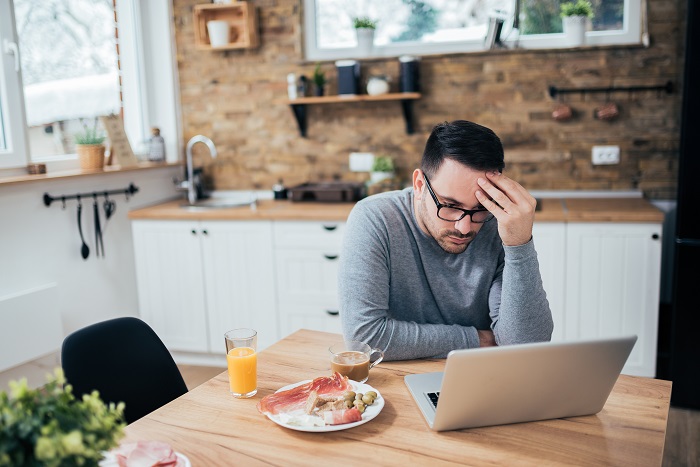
<point x="212" y="428"/>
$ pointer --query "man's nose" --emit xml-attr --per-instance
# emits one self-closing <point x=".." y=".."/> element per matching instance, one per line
<point x="464" y="225"/>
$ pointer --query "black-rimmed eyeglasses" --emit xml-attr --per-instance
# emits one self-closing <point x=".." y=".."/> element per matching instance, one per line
<point x="448" y="212"/>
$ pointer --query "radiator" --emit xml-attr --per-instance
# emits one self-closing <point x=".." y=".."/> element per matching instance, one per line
<point x="30" y="325"/>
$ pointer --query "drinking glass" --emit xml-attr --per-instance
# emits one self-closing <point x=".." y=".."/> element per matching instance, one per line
<point x="242" y="360"/>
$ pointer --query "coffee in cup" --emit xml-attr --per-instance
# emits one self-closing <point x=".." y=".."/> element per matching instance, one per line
<point x="353" y="359"/>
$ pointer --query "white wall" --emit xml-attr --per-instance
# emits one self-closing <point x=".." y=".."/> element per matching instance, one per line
<point x="40" y="245"/>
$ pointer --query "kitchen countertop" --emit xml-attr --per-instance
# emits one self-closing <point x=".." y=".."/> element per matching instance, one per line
<point x="552" y="210"/>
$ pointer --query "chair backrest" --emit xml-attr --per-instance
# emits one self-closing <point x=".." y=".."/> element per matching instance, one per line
<point x="124" y="360"/>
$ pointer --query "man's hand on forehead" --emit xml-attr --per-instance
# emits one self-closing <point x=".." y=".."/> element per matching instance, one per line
<point x="511" y="205"/>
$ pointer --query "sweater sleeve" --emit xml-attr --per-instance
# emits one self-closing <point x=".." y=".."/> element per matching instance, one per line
<point x="520" y="311"/>
<point x="364" y="291"/>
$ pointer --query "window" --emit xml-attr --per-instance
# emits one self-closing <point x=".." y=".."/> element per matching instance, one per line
<point x="72" y="72"/>
<point x="444" y="26"/>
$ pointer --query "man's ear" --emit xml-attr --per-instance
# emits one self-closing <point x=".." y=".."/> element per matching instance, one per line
<point x="418" y="184"/>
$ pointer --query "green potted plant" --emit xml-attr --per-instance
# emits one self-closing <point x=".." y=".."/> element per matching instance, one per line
<point x="364" y="27"/>
<point x="48" y="426"/>
<point x="90" y="147"/>
<point x="575" y="17"/>
<point x="319" y="79"/>
<point x="382" y="169"/>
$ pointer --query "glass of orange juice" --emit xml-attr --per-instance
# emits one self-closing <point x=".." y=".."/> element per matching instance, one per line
<point x="242" y="359"/>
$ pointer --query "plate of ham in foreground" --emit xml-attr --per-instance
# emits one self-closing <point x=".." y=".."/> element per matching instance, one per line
<point x="144" y="453"/>
<point x="316" y="406"/>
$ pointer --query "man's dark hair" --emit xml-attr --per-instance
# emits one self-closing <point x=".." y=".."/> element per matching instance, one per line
<point x="465" y="142"/>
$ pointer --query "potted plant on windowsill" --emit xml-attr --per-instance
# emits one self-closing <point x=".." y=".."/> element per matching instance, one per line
<point x="382" y="169"/>
<point x="90" y="148"/>
<point x="575" y="18"/>
<point x="365" y="27"/>
<point x="319" y="79"/>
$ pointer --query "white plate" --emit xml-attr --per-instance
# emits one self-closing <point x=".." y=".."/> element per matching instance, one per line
<point x="110" y="460"/>
<point x="370" y="412"/>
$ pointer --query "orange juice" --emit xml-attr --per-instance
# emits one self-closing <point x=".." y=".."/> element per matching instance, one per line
<point x="242" y="371"/>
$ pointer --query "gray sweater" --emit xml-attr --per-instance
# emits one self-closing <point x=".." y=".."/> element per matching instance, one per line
<point x="401" y="292"/>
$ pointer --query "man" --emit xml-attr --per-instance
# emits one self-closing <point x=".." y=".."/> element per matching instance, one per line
<point x="448" y="263"/>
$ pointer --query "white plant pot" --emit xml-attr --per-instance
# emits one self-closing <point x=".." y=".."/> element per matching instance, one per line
<point x="575" y="30"/>
<point x="218" y="33"/>
<point x="365" y="41"/>
<point x="375" y="177"/>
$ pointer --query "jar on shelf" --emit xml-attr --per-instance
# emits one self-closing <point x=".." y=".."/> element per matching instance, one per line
<point x="156" y="147"/>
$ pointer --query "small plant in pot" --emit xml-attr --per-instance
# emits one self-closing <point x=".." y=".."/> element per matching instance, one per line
<point x="365" y="27"/>
<point x="90" y="147"/>
<point x="50" y="426"/>
<point x="575" y="16"/>
<point x="319" y="79"/>
<point x="382" y="169"/>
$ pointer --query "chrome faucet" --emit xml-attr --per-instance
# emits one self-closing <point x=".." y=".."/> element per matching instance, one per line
<point x="190" y="182"/>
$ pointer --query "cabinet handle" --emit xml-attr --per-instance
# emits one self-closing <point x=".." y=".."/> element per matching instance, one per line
<point x="655" y="236"/>
<point x="194" y="232"/>
<point x="333" y="312"/>
<point x="330" y="257"/>
<point x="205" y="232"/>
<point x="330" y="228"/>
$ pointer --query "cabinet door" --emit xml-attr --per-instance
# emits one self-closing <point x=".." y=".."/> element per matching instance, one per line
<point x="169" y="278"/>
<point x="239" y="280"/>
<point x="550" y="243"/>
<point x="612" y="286"/>
<point x="306" y="260"/>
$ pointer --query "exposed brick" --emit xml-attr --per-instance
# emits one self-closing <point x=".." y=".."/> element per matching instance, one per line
<point x="238" y="98"/>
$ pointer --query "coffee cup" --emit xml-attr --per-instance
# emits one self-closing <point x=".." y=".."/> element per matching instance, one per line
<point x="353" y="359"/>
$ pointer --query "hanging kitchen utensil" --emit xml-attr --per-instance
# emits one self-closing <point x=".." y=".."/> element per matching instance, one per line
<point x="84" y="249"/>
<point x="109" y="207"/>
<point x="98" y="230"/>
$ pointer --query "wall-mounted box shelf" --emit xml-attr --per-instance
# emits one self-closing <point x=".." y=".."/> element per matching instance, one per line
<point x="299" y="105"/>
<point x="242" y="18"/>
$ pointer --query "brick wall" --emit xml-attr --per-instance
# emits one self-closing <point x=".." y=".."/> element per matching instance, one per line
<point x="237" y="98"/>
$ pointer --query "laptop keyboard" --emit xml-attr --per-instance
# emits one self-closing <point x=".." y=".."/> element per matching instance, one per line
<point x="433" y="396"/>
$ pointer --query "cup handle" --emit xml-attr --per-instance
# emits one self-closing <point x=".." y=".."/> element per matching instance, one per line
<point x="381" y="357"/>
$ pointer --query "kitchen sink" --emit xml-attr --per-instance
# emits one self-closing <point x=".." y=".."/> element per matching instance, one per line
<point x="223" y="201"/>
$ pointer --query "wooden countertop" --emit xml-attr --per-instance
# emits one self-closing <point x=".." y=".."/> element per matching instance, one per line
<point x="266" y="209"/>
<point x="612" y="210"/>
<point x="552" y="210"/>
<point x="210" y="427"/>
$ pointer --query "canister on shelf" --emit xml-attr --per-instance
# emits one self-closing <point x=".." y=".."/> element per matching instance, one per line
<point x="156" y="147"/>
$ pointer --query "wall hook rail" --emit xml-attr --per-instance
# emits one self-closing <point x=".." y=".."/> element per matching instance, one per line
<point x="668" y="88"/>
<point x="128" y="191"/>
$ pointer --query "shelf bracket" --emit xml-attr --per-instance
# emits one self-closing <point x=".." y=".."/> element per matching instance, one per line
<point x="300" y="116"/>
<point x="407" y="106"/>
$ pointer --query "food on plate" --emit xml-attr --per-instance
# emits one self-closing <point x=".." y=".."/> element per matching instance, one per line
<point x="339" y="417"/>
<point x="296" y="398"/>
<point x="146" y="454"/>
<point x="327" y="400"/>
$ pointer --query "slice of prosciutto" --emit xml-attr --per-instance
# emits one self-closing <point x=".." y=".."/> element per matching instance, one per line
<point x="295" y="398"/>
<point x="340" y="417"/>
<point x="146" y="454"/>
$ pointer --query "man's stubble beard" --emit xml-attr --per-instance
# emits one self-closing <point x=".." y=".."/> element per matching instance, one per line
<point x="442" y="234"/>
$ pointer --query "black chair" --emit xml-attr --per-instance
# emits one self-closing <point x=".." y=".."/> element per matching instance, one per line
<point x="124" y="360"/>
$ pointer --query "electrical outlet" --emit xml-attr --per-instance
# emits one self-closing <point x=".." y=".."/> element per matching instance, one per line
<point x="605" y="155"/>
<point x="361" y="161"/>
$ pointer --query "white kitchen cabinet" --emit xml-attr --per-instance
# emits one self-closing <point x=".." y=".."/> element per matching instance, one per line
<point x="612" y="286"/>
<point x="197" y="280"/>
<point x="550" y="243"/>
<point x="306" y="263"/>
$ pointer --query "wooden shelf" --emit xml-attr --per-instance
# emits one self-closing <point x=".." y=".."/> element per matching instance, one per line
<point x="406" y="98"/>
<point x="242" y="18"/>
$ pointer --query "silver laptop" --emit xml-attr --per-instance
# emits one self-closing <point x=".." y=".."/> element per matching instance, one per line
<point x="520" y="383"/>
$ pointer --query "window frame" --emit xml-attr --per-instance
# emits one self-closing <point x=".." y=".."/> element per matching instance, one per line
<point x="148" y="70"/>
<point x="630" y="34"/>
<point x="11" y="95"/>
